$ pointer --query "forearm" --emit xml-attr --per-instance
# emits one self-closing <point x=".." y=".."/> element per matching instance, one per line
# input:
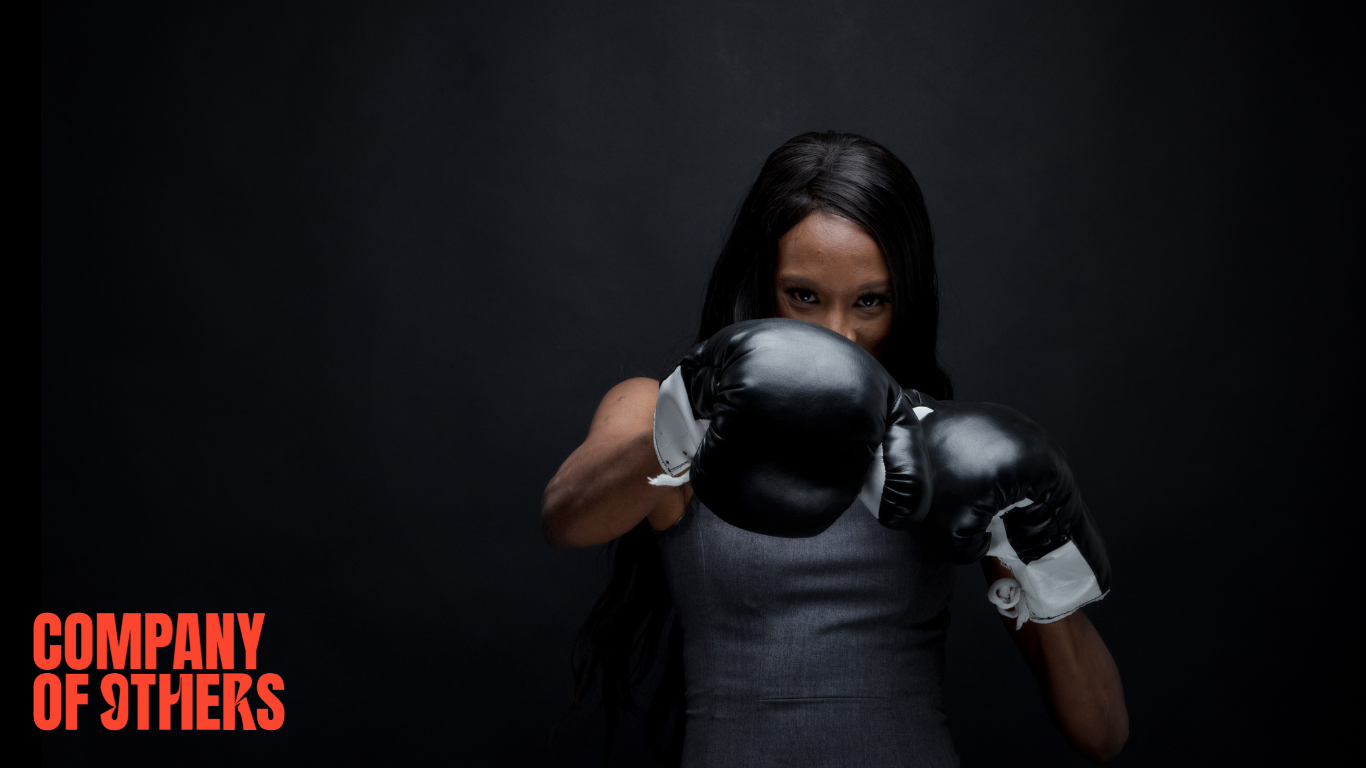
<point x="1077" y="677"/>
<point x="600" y="492"/>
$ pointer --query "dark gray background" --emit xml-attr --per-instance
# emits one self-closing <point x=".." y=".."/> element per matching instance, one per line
<point x="329" y="291"/>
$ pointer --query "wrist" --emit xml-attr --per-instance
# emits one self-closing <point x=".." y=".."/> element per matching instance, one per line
<point x="993" y="570"/>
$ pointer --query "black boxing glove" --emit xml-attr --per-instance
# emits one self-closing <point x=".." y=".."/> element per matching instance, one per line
<point x="777" y="423"/>
<point x="1003" y="488"/>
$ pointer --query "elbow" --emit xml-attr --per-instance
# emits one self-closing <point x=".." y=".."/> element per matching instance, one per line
<point x="1101" y="754"/>
<point x="555" y="514"/>
<point x="1104" y="747"/>
<point x="553" y="536"/>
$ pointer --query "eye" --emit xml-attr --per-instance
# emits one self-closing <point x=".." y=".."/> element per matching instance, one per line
<point x="802" y="295"/>
<point x="871" y="300"/>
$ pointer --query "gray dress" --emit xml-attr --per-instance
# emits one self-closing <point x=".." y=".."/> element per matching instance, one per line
<point x="827" y="651"/>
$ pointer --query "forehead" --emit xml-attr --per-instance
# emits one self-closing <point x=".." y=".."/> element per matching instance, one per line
<point x="831" y="249"/>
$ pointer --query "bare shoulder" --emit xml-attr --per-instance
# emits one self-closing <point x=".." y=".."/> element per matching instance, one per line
<point x="627" y="407"/>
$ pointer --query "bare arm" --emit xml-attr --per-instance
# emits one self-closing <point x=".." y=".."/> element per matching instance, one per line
<point x="1077" y="678"/>
<point x="600" y="492"/>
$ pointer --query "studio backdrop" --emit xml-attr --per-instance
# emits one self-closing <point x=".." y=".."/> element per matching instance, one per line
<point x="328" y="291"/>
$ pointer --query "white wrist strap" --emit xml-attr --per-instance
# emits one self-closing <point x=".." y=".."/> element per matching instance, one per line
<point x="670" y="480"/>
<point x="1009" y="600"/>
<point x="1052" y="587"/>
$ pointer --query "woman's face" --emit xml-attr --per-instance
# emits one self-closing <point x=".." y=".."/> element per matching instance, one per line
<point x="831" y="273"/>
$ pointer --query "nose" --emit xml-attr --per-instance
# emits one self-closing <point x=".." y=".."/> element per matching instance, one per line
<point x="842" y="324"/>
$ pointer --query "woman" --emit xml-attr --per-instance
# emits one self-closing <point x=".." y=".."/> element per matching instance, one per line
<point x="819" y="651"/>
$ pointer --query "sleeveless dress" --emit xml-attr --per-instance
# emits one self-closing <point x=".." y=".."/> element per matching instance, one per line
<point x="826" y="651"/>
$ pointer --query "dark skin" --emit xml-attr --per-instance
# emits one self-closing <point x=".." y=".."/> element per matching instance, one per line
<point x="832" y="273"/>
<point x="1076" y="675"/>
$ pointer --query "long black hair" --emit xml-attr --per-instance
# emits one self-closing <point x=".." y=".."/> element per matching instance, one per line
<point x="843" y="174"/>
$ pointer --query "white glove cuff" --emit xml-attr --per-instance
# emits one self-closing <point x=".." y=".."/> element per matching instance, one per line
<point x="1052" y="587"/>
<point x="676" y="433"/>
